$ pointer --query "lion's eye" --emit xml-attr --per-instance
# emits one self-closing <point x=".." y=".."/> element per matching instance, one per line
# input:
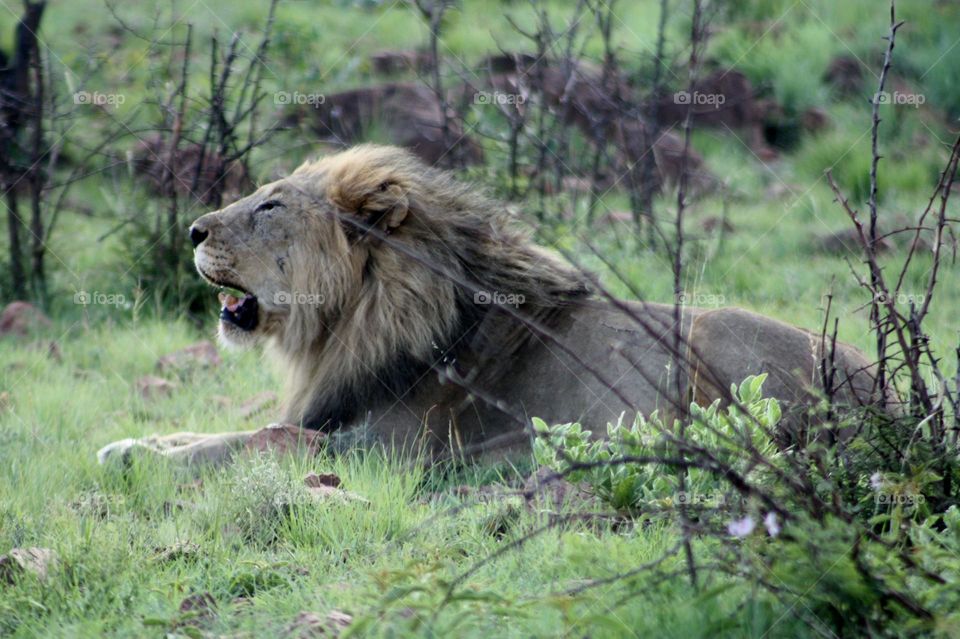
<point x="268" y="205"/>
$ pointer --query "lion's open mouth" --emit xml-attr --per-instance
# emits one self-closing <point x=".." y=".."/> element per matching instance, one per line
<point x="241" y="312"/>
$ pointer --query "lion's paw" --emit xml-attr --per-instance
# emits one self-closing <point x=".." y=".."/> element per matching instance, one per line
<point x="120" y="451"/>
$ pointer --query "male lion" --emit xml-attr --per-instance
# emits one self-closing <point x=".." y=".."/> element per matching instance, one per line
<point x="407" y="310"/>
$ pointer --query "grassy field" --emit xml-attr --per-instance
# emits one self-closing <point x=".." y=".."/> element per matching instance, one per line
<point x="390" y="563"/>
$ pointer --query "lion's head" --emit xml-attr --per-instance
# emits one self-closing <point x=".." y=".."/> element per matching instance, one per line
<point x="364" y="269"/>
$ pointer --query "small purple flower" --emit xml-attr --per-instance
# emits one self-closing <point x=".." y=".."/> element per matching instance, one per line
<point x="741" y="527"/>
<point x="771" y="524"/>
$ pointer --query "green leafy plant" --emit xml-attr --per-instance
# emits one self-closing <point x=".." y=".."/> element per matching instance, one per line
<point x="603" y="463"/>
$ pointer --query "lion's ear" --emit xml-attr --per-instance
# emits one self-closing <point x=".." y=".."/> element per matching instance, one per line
<point x="387" y="207"/>
<point x="380" y="204"/>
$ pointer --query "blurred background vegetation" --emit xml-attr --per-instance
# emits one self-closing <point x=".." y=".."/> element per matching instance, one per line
<point x="812" y="65"/>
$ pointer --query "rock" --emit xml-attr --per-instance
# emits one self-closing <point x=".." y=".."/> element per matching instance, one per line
<point x="21" y="561"/>
<point x="285" y="438"/>
<point x="150" y="386"/>
<point x="765" y="153"/>
<point x="257" y="404"/>
<point x="327" y="486"/>
<point x="20" y="318"/>
<point x="578" y="90"/>
<point x="308" y="625"/>
<point x="313" y="480"/>
<point x="845" y="74"/>
<point x="596" y="104"/>
<point x="724" y="99"/>
<point x="814" y="120"/>
<point x="506" y="62"/>
<point x="397" y="62"/>
<point x="203" y="354"/>
<point x="150" y="159"/>
<point x="407" y="114"/>
<point x="925" y="242"/>
<point x="847" y="241"/>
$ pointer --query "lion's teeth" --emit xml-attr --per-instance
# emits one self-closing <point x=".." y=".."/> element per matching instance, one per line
<point x="228" y="301"/>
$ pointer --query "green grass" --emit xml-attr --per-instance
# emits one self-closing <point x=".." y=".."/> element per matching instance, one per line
<point x="388" y="563"/>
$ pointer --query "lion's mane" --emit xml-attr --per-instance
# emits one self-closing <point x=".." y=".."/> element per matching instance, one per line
<point x="398" y="278"/>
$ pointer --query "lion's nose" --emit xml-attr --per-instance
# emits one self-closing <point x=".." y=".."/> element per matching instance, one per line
<point x="197" y="235"/>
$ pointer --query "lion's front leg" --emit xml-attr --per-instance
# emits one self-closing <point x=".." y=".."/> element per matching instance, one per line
<point x="215" y="449"/>
<point x="186" y="448"/>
